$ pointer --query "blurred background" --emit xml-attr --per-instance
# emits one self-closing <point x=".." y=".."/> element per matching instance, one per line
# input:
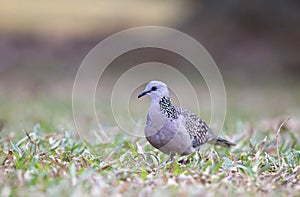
<point x="255" y="44"/>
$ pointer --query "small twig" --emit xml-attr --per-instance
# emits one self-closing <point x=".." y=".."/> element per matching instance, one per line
<point x="140" y="150"/>
<point x="261" y="148"/>
<point x="32" y="142"/>
<point x="277" y="140"/>
<point x="27" y="134"/>
<point x="155" y="156"/>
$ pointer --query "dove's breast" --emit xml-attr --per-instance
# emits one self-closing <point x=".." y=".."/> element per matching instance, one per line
<point x="167" y="134"/>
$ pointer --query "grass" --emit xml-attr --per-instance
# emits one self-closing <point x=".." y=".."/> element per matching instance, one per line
<point x="58" y="163"/>
<point x="41" y="154"/>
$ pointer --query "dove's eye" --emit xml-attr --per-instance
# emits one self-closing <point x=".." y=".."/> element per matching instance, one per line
<point x="154" y="88"/>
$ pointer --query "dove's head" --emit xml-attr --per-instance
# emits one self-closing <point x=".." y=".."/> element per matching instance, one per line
<point x="156" y="90"/>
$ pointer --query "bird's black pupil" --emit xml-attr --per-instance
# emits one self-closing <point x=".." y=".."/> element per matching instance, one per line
<point x="153" y="88"/>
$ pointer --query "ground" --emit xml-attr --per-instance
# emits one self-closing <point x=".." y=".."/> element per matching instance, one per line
<point x="48" y="159"/>
<point x="42" y="154"/>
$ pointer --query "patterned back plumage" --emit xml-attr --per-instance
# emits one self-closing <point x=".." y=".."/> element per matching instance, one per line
<point x="197" y="128"/>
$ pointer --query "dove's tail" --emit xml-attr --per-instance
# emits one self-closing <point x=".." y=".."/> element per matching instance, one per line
<point x="221" y="142"/>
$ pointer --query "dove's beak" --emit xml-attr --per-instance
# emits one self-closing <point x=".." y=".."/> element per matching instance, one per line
<point x="144" y="93"/>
